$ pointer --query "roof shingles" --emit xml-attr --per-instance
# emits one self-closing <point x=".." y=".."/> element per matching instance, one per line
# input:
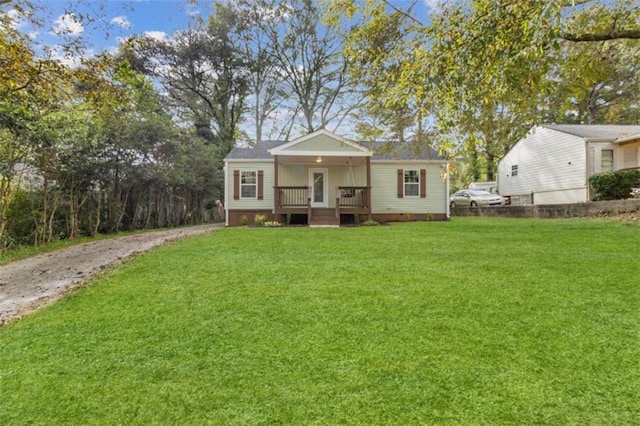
<point x="381" y="150"/>
<point x="596" y="131"/>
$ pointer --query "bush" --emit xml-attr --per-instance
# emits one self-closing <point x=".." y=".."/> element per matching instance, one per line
<point x="20" y="223"/>
<point x="615" y="185"/>
<point x="259" y="219"/>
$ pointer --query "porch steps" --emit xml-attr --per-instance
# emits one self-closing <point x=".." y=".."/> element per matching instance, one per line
<point x="323" y="218"/>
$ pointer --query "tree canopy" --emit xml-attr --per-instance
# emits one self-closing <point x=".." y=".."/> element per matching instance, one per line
<point x="475" y="65"/>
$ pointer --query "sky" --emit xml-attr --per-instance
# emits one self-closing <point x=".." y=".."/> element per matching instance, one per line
<point x="103" y="24"/>
<point x="119" y="19"/>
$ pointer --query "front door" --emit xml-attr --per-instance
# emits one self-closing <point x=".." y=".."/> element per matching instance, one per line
<point x="319" y="183"/>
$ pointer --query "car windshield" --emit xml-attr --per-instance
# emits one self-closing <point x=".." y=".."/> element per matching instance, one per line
<point x="479" y="192"/>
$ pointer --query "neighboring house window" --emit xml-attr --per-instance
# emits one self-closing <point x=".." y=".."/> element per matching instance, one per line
<point x="248" y="184"/>
<point x="411" y="183"/>
<point x="514" y="170"/>
<point x="606" y="164"/>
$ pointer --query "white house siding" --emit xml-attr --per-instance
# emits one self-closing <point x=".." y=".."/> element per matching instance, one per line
<point x="578" y="195"/>
<point x="629" y="156"/>
<point x="250" y="204"/>
<point x="384" y="195"/>
<point x="551" y="166"/>
<point x="298" y="175"/>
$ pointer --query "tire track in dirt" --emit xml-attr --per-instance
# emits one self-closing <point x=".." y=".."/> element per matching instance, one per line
<point x="28" y="284"/>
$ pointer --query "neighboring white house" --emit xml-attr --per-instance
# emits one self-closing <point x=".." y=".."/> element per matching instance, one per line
<point x="323" y="179"/>
<point x="553" y="162"/>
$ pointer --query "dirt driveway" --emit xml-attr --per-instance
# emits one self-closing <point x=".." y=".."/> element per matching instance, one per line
<point x="28" y="284"/>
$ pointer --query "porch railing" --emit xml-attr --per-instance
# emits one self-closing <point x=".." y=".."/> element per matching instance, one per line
<point x="353" y="199"/>
<point x="292" y="196"/>
<point x="352" y="196"/>
<point x="349" y="199"/>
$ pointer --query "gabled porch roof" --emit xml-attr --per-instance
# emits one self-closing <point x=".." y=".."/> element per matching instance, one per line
<point x="321" y="143"/>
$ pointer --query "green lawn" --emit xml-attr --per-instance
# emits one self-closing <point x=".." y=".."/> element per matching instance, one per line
<point x="473" y="321"/>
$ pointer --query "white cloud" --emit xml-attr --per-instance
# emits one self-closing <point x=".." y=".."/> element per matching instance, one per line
<point x="433" y="5"/>
<point x="68" y="24"/>
<point x="15" y="19"/>
<point x="121" y="22"/>
<point x="72" y="60"/>
<point x="157" y="35"/>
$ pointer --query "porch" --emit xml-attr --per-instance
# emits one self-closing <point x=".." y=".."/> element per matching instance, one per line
<point x="295" y="204"/>
<point x="322" y="188"/>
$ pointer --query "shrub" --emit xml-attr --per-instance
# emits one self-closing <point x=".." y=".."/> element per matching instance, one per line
<point x="272" y="224"/>
<point x="20" y="221"/>
<point x="259" y="219"/>
<point x="244" y="220"/>
<point x="615" y="185"/>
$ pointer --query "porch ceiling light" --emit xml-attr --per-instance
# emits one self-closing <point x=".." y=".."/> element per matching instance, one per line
<point x="318" y="159"/>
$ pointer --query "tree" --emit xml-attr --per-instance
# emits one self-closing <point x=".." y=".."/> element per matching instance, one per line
<point x="596" y="83"/>
<point x="313" y="68"/>
<point x="477" y="54"/>
<point x="202" y="73"/>
<point x="28" y="86"/>
<point x="251" y="38"/>
<point x="485" y="135"/>
<point x="398" y="116"/>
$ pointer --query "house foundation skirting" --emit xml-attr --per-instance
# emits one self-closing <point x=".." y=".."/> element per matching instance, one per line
<point x="236" y="217"/>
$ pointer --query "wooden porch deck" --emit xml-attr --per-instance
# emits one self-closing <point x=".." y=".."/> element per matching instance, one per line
<point x="350" y="200"/>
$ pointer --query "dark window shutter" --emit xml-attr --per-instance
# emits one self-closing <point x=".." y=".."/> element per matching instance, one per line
<point x="236" y="184"/>
<point x="423" y="183"/>
<point x="400" y="183"/>
<point x="260" y="185"/>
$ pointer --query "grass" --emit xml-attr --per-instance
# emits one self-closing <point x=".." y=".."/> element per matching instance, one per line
<point x="473" y="321"/>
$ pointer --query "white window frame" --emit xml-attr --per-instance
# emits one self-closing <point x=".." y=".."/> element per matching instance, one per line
<point x="514" y="170"/>
<point x="248" y="185"/>
<point x="613" y="160"/>
<point x="416" y="184"/>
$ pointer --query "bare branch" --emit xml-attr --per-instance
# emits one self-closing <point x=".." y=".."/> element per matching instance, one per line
<point x="406" y="13"/>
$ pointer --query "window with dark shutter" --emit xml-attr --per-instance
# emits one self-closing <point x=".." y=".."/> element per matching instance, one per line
<point x="248" y="184"/>
<point x="400" y="183"/>
<point x="236" y="184"/>
<point x="411" y="183"/>
<point x="423" y="183"/>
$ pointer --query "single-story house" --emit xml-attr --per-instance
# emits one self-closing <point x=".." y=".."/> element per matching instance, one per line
<point x="553" y="162"/>
<point x="324" y="179"/>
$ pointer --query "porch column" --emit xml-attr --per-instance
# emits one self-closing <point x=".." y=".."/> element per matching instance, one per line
<point x="276" y="189"/>
<point x="368" y="201"/>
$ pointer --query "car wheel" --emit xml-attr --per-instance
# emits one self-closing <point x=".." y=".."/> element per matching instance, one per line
<point x="474" y="204"/>
<point x="452" y="205"/>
